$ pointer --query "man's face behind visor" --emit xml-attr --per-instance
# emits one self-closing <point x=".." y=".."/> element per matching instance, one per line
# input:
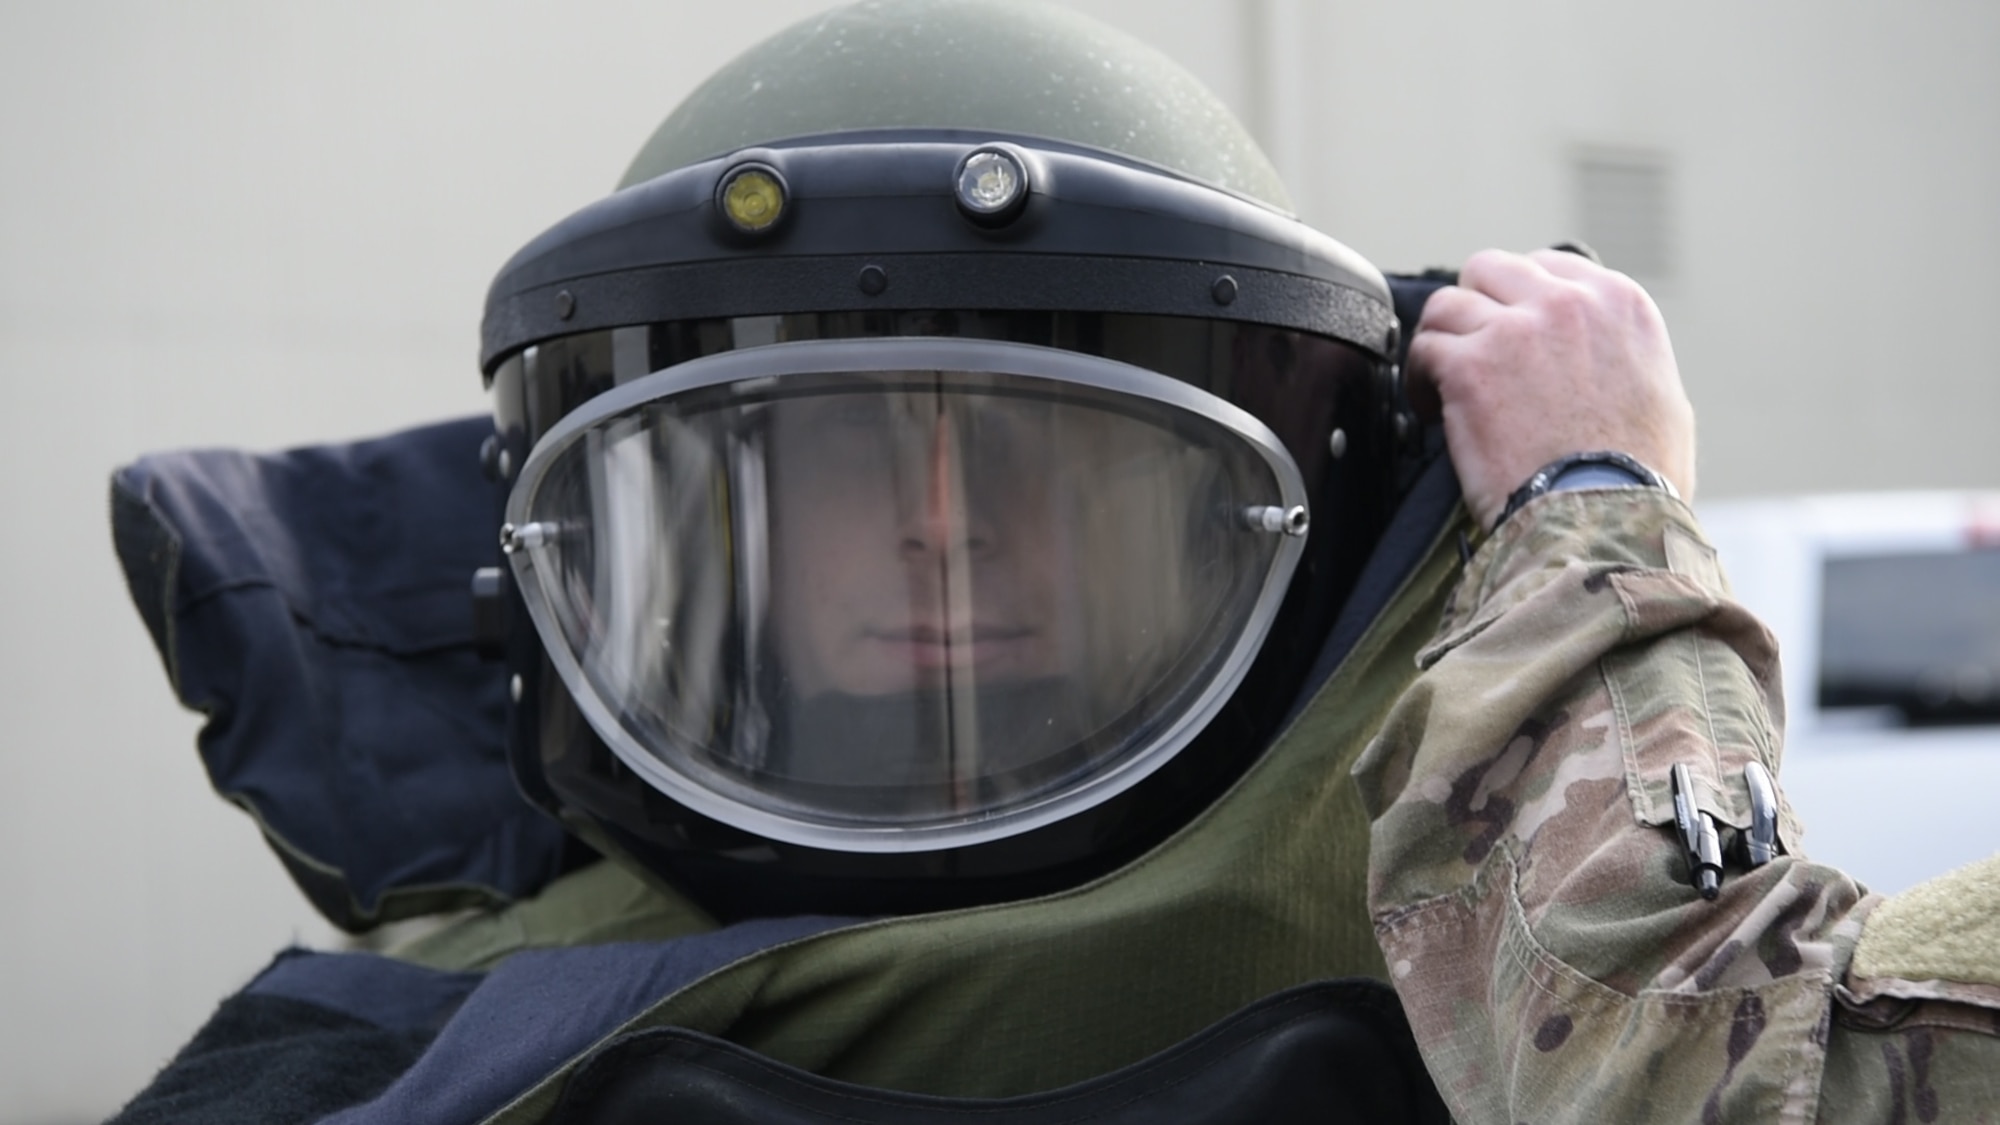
<point x="958" y="566"/>
<point x="911" y="600"/>
<point x="928" y="536"/>
<point x="920" y="541"/>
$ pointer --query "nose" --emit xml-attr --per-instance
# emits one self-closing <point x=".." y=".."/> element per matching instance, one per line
<point x="944" y="517"/>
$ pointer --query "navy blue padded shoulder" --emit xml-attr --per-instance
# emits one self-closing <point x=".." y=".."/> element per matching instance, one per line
<point x="315" y="605"/>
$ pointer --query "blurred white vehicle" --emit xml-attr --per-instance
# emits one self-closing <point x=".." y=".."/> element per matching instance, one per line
<point x="1887" y="611"/>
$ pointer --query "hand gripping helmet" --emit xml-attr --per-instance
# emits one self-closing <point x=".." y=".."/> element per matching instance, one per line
<point x="929" y="478"/>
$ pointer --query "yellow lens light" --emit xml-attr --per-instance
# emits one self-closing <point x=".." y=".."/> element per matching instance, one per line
<point x="753" y="198"/>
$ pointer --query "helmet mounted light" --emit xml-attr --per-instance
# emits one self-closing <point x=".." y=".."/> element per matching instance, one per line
<point x="751" y="197"/>
<point x="992" y="185"/>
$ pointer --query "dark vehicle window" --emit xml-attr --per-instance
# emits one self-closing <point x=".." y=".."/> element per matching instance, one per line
<point x="1917" y="632"/>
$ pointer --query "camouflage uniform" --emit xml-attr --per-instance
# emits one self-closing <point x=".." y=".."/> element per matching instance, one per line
<point x="1528" y="886"/>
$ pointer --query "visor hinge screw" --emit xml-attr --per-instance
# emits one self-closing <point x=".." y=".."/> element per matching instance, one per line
<point x="1224" y="290"/>
<point x="528" y="536"/>
<point x="873" y="280"/>
<point x="565" y="305"/>
<point x="1275" y="518"/>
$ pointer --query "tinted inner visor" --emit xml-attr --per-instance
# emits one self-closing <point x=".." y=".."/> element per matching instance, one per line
<point x="902" y="594"/>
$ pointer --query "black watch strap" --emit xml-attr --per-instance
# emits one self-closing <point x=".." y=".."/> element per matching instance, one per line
<point x="1600" y="464"/>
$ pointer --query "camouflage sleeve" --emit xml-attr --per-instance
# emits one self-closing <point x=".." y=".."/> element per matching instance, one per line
<point x="1528" y="886"/>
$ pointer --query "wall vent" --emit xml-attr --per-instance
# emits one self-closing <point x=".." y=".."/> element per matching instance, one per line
<point x="1624" y="210"/>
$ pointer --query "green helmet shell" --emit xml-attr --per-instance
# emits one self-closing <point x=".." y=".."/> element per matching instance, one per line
<point x="1022" y="68"/>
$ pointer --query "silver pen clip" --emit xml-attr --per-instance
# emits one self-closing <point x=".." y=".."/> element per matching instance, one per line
<point x="1760" y="843"/>
<point x="1700" y="841"/>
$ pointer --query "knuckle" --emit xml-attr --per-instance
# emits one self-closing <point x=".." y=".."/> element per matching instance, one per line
<point x="1438" y="362"/>
<point x="1483" y="264"/>
<point x="1568" y="307"/>
<point x="1621" y="289"/>
<point x="1519" y="326"/>
<point x="1441" y="304"/>
<point x="1425" y="353"/>
<point x="1570" y="299"/>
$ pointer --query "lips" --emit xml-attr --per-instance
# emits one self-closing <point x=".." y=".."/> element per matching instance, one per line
<point x="930" y="646"/>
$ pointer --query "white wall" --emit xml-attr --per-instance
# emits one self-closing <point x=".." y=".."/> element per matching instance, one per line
<point x="1837" y="166"/>
<point x="258" y="225"/>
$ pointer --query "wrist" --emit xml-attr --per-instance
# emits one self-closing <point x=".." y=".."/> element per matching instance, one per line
<point x="1594" y="469"/>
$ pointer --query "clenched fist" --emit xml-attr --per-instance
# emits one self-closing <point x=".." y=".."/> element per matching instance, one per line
<point x="1532" y="357"/>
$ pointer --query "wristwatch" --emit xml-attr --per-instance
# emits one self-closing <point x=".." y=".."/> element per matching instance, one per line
<point x="1602" y="468"/>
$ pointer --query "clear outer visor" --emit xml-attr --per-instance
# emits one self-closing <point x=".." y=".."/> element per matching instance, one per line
<point x="902" y="594"/>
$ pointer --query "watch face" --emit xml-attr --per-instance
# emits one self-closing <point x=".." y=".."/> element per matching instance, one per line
<point x="1598" y="469"/>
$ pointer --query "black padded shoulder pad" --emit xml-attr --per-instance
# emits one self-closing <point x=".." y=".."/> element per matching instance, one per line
<point x="315" y="605"/>
<point x="1328" y="1053"/>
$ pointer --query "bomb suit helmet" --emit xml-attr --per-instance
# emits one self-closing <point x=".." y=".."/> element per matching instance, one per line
<point x="930" y="477"/>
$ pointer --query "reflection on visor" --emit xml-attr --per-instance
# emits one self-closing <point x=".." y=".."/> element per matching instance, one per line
<point x="821" y="604"/>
